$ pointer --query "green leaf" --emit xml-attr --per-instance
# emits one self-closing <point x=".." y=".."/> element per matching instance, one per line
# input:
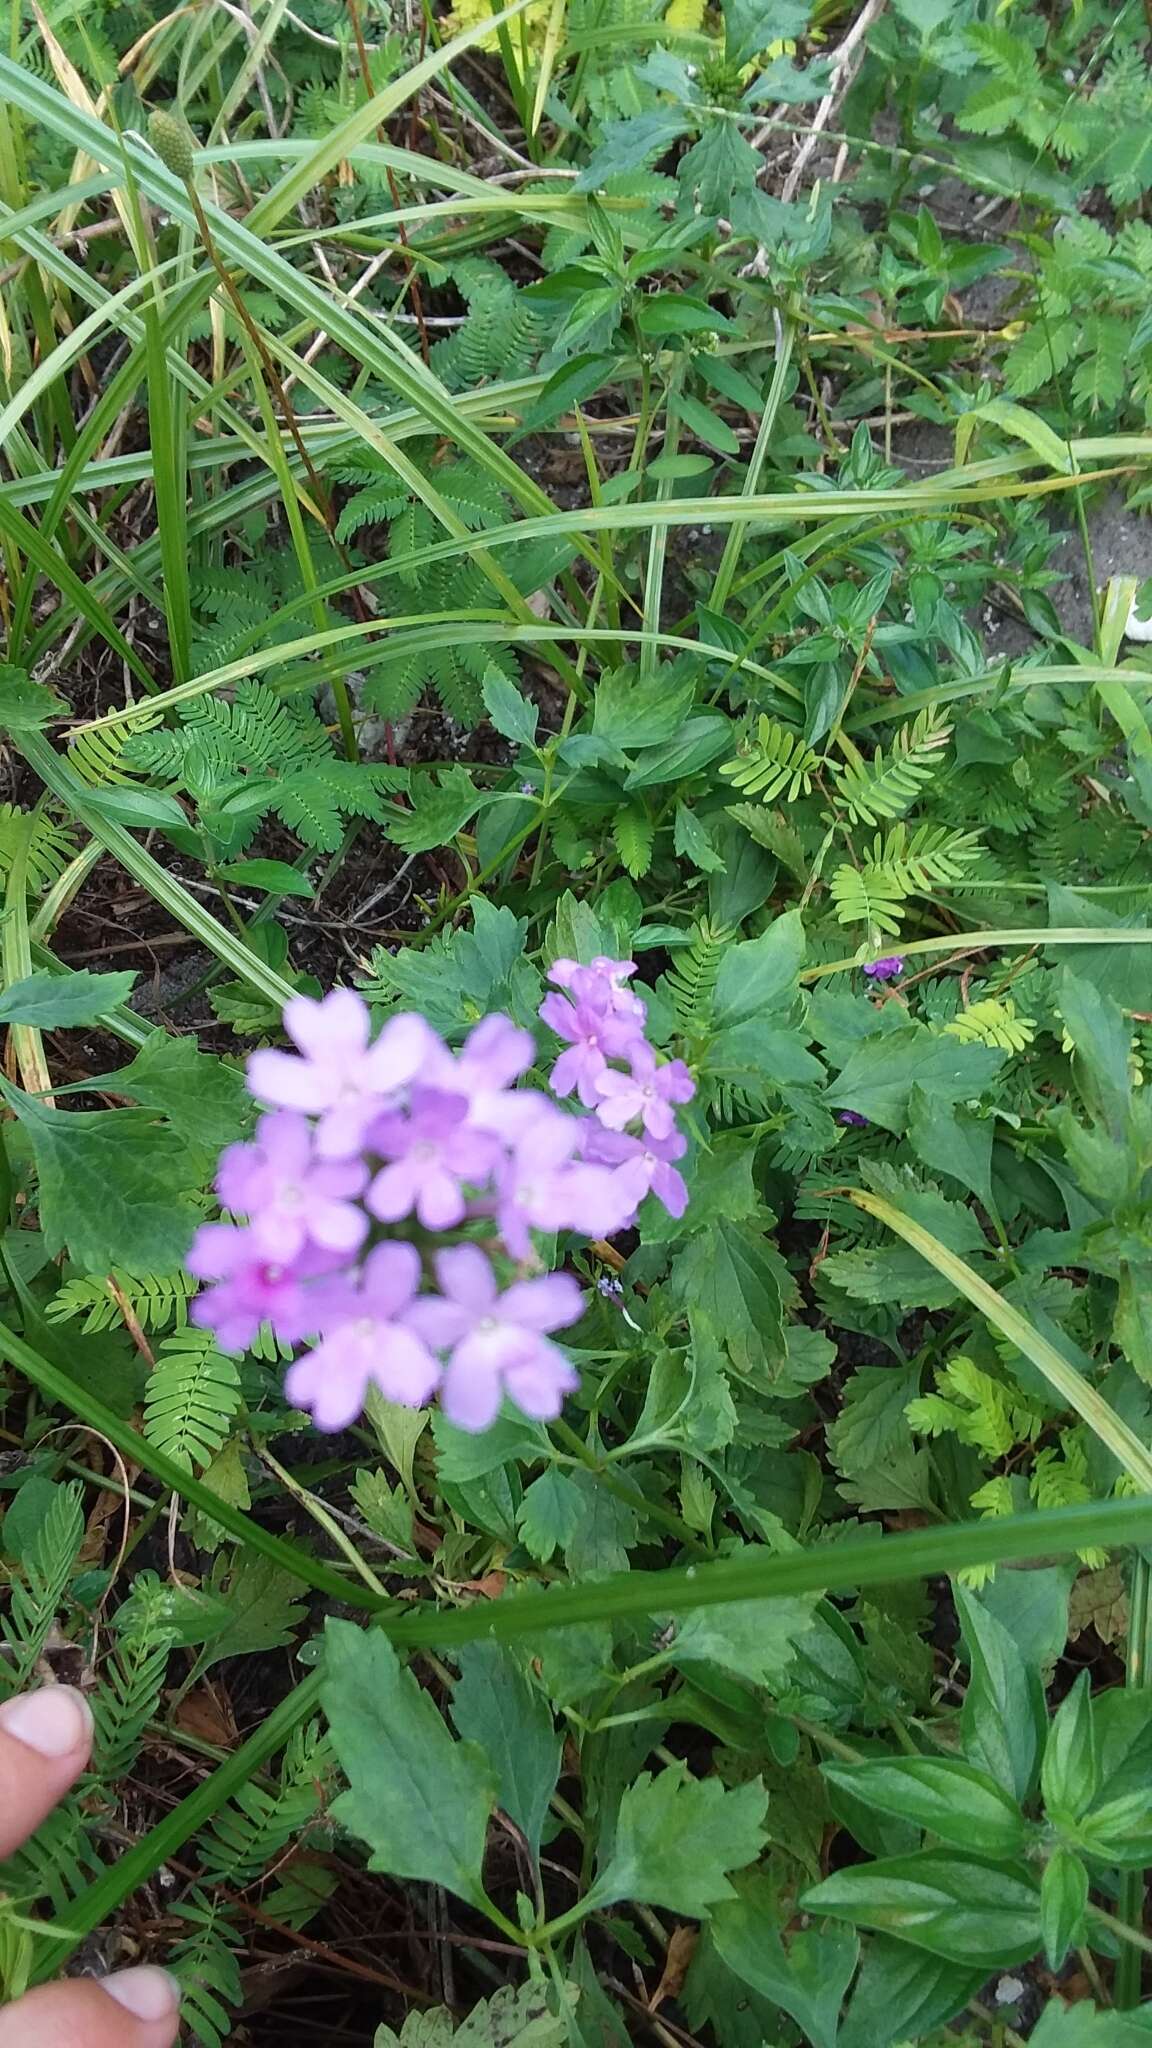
<point x="113" y="1187"/>
<point x="141" y="810"/>
<point x="629" y="144"/>
<point x="733" y="1279"/>
<point x="1070" y="1773"/>
<point x="516" y="2016"/>
<point x="1082" y="2026"/>
<point x="634" y="833"/>
<point x="943" y="1795"/>
<point x="671" y="313"/>
<point x="707" y="426"/>
<point x="1002" y="1721"/>
<point x="464" y="1455"/>
<point x="25" y="706"/>
<point x="1033" y="1607"/>
<point x="1022" y="425"/>
<point x="756" y="1641"/>
<point x="697" y="742"/>
<point x="1063" y="1903"/>
<point x="511" y="713"/>
<point x="420" y="1800"/>
<point x="719" y="165"/>
<point x="548" y="1514"/>
<point x="264" y="1611"/>
<point x="1103" y="1041"/>
<point x="958" y="1907"/>
<point x="952" y="1141"/>
<point x="880" y="1073"/>
<point x="277" y="877"/>
<point x="496" y="1708"/>
<point x="903" y="1993"/>
<point x="870" y="1424"/>
<point x="676" y="1836"/>
<point x="204" y="1099"/>
<point x="441" y="807"/>
<point x="59" y="1001"/>
<point x="807" y="1978"/>
<point x="637" y="711"/>
<point x="752" y="26"/>
<point x="692" y="842"/>
<point x="760" y="975"/>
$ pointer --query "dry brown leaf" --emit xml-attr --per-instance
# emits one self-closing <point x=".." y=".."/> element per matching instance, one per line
<point x="1098" y="1600"/>
<point x="681" y="1950"/>
<point x="207" y="1715"/>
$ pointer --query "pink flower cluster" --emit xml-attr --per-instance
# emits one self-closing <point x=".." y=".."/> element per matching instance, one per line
<point x="611" y="1067"/>
<point x="371" y="1143"/>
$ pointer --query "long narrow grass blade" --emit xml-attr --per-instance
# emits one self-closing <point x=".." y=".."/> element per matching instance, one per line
<point x="1073" y="1389"/>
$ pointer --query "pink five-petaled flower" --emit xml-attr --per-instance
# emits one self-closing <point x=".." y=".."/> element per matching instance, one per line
<point x="595" y="1033"/>
<point x="251" y="1288"/>
<point x="288" y="1195"/>
<point x="544" y="1187"/>
<point x="498" y="1343"/>
<point x="342" y="1079"/>
<point x="369" y="1340"/>
<point x="647" y="1093"/>
<point x="608" y="975"/>
<point x="641" y="1166"/>
<point x="432" y="1152"/>
<point x="494" y="1055"/>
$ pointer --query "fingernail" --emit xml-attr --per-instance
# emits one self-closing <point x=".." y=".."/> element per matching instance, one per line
<point x="147" y="1994"/>
<point x="53" y="1721"/>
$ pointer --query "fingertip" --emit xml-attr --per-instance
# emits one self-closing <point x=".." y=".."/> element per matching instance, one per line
<point x="147" y="1993"/>
<point x="55" y="1721"/>
<point x="133" y="2009"/>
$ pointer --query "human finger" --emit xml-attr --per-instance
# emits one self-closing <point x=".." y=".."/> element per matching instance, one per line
<point x="45" y="1742"/>
<point x="134" y="2009"/>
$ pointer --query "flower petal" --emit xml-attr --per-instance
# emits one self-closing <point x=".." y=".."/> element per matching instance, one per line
<point x="466" y="1277"/>
<point x="470" y="1395"/>
<point x="289" y="1082"/>
<point x="334" y="1029"/>
<point x="550" y="1303"/>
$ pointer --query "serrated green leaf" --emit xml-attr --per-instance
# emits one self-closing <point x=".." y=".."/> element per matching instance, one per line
<point x="807" y="1977"/>
<point x="496" y="1708"/>
<point x="418" y="1799"/>
<point x="113" y="1186"/>
<point x="204" y="1099"/>
<point x="509" y="711"/>
<point x="634" y="834"/>
<point x="548" y="1514"/>
<point x="63" y="1001"/>
<point x="676" y="1838"/>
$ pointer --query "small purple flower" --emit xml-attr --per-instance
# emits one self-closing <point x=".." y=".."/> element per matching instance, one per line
<point x="432" y="1152"/>
<point x="499" y="1343"/>
<point x="290" y="1196"/>
<point x="251" y="1288"/>
<point x="886" y="969"/>
<point x="493" y="1056"/>
<point x="647" y="1093"/>
<point x="853" y="1116"/>
<point x="342" y="1078"/>
<point x="370" y="1339"/>
<point x="595" y="1033"/>
<point x="641" y="1166"/>
<point x="601" y="981"/>
<point x="544" y="1187"/>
